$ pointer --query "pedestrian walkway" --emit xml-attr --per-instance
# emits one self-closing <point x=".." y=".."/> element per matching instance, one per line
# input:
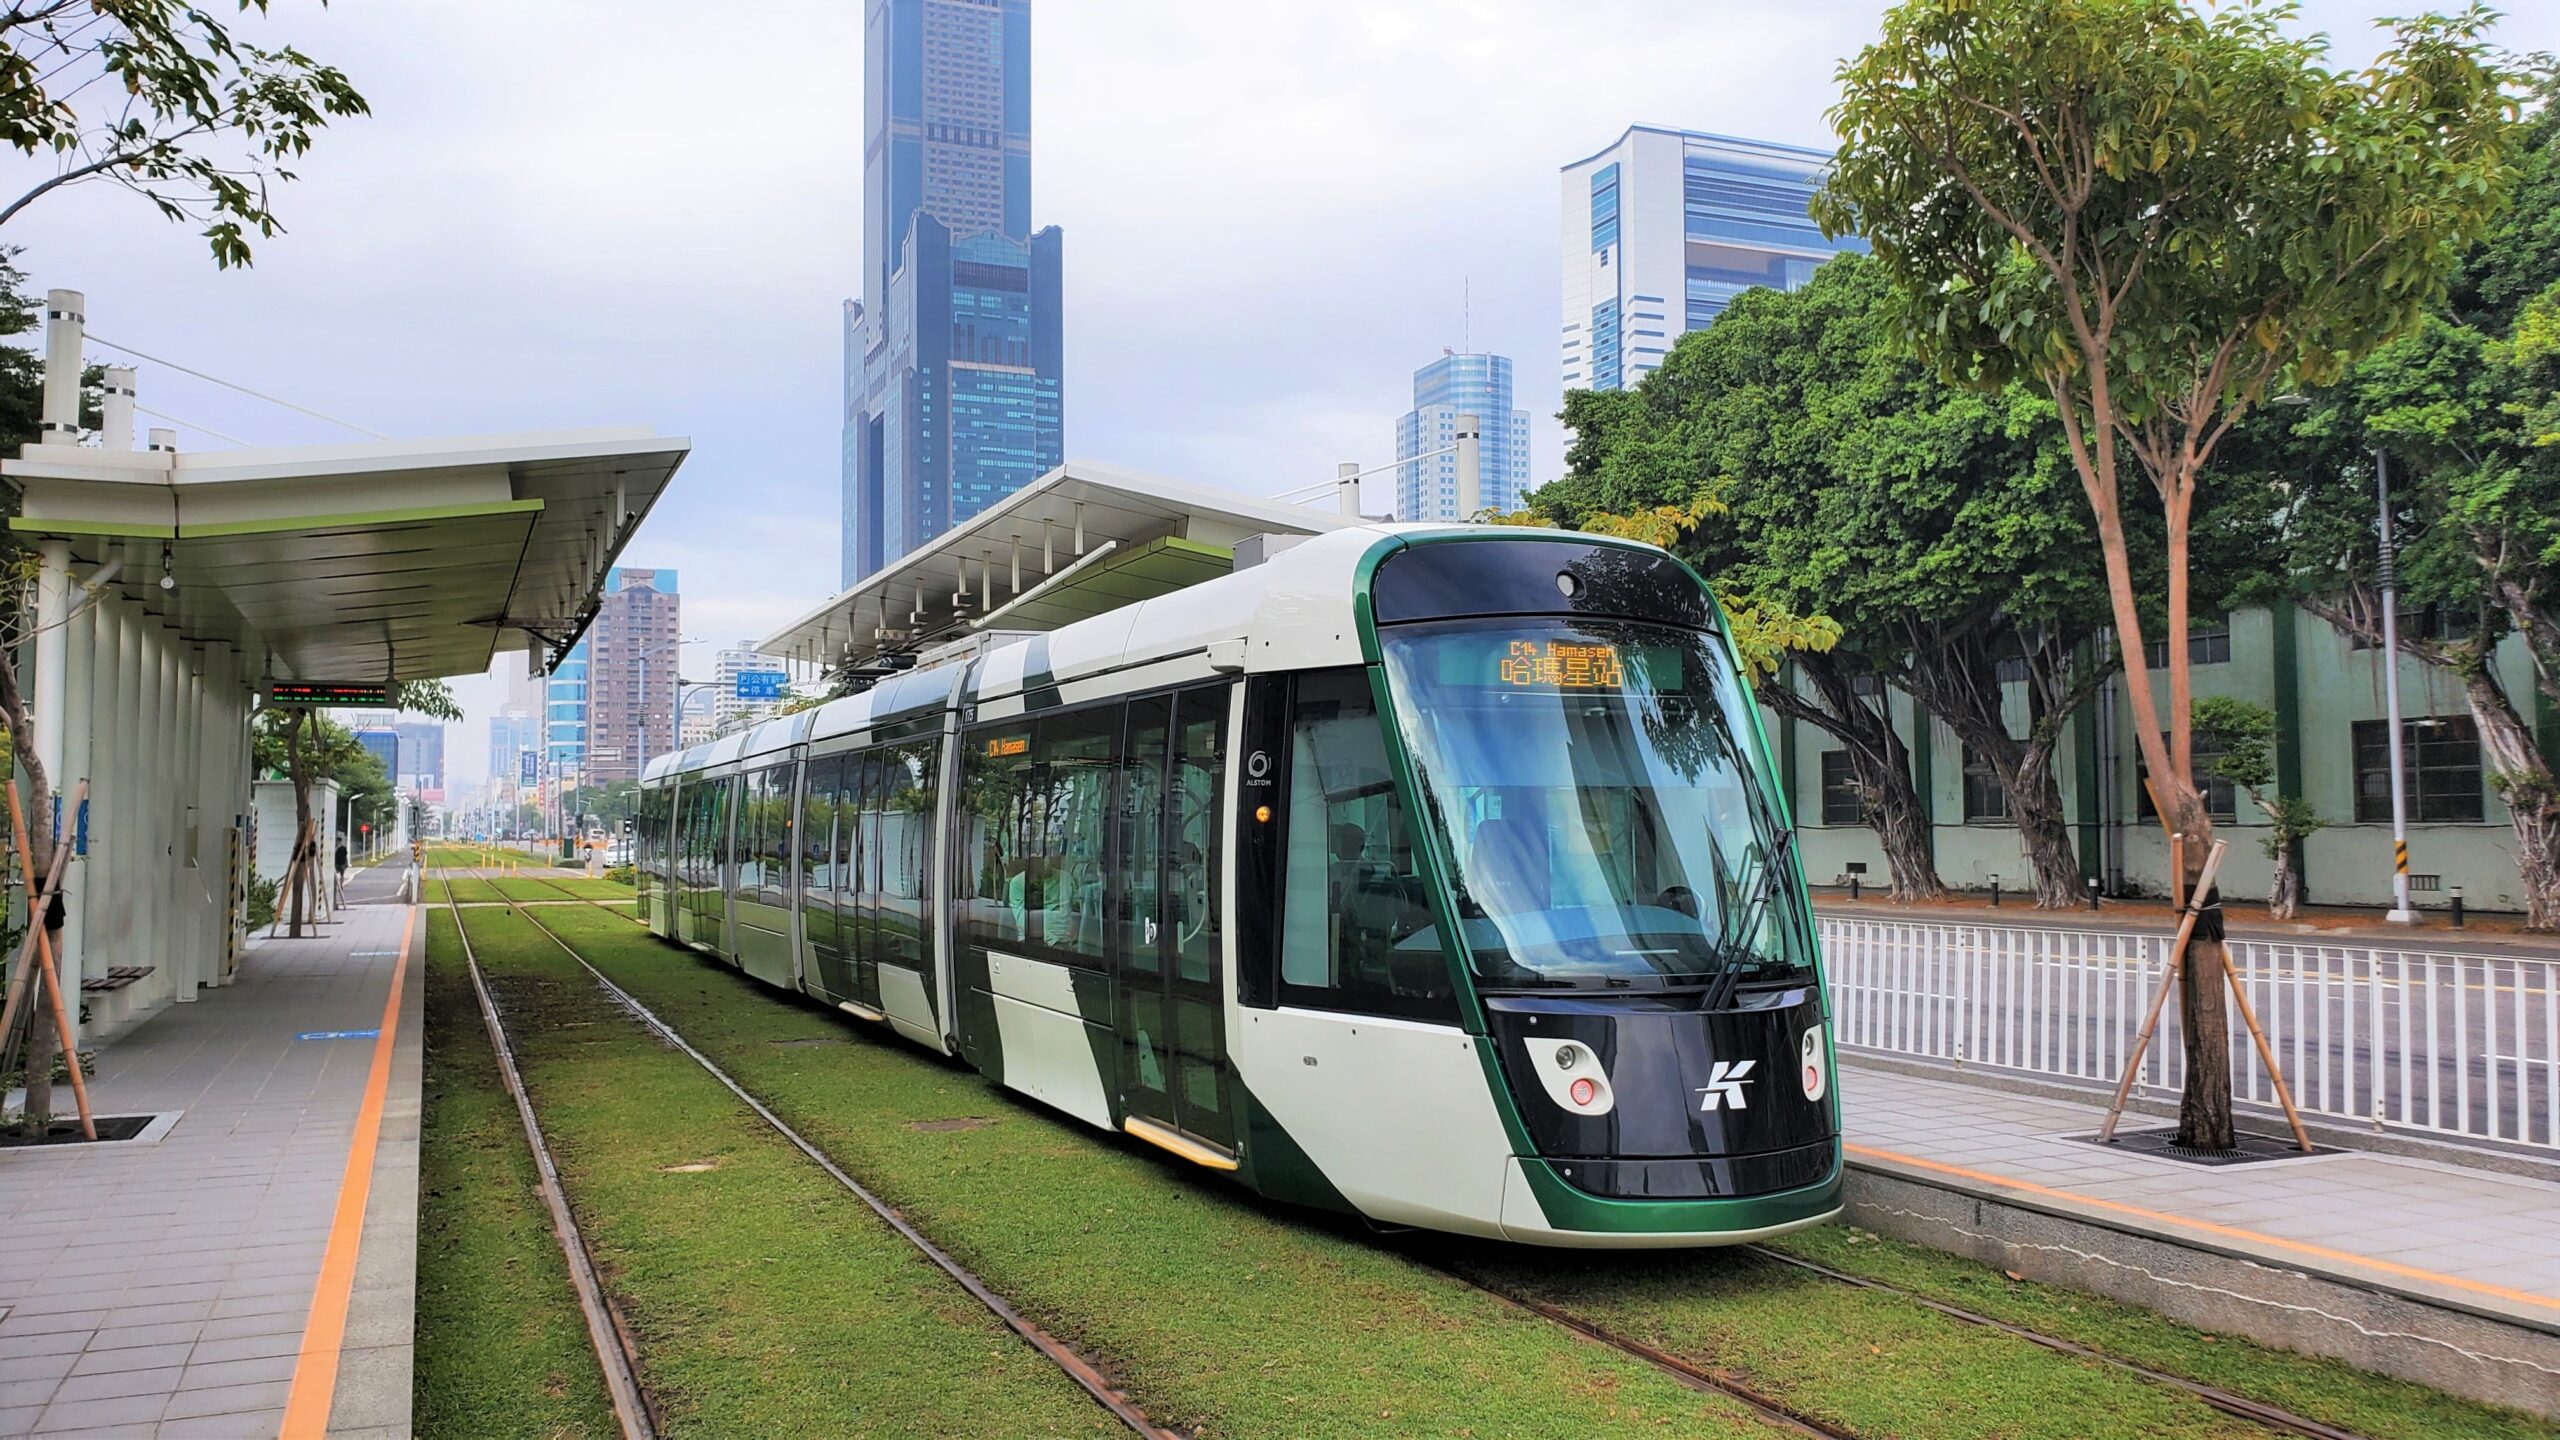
<point x="257" y="1261"/>
<point x="2437" y="1248"/>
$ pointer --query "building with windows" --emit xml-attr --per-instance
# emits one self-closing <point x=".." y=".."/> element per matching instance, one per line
<point x="1664" y="228"/>
<point x="631" y="676"/>
<point x="512" y="734"/>
<point x="421" y="755"/>
<point x="383" y="742"/>
<point x="728" y="711"/>
<point x="953" y="355"/>
<point x="1451" y="386"/>
<point x="564" y="713"/>
<point x="2331" y="748"/>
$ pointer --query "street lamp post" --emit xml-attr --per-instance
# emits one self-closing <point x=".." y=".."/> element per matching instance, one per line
<point x="2400" y="911"/>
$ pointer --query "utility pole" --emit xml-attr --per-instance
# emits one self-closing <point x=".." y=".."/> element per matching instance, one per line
<point x="2400" y="914"/>
<point x="1470" y="472"/>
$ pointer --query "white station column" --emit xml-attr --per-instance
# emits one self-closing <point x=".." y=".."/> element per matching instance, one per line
<point x="79" y="683"/>
<point x="101" y="931"/>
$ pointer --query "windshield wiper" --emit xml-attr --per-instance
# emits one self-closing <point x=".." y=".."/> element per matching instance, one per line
<point x="1730" y="935"/>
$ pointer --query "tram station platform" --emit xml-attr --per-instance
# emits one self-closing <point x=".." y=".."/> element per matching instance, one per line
<point x="2433" y="1271"/>
<point x="252" y="1255"/>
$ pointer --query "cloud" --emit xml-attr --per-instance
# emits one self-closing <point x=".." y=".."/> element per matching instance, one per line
<point x="615" y="211"/>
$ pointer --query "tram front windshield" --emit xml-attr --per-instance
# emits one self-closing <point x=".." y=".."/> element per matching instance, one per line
<point x="1590" y="784"/>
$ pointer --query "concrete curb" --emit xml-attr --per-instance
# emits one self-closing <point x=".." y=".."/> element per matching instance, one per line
<point x="2458" y="1346"/>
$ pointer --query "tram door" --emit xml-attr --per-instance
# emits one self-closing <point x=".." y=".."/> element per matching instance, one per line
<point x="1173" y="1059"/>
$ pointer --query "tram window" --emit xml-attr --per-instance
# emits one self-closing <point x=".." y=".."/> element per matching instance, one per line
<point x="1001" y="813"/>
<point x="1074" y="778"/>
<point x="905" y="842"/>
<point x="1199" y="774"/>
<point x="1356" y="925"/>
<point x="1141" y="841"/>
<point x="817" y="842"/>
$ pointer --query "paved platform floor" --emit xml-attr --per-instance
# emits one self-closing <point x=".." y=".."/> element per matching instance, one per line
<point x="2473" y="1239"/>
<point x="166" y="1287"/>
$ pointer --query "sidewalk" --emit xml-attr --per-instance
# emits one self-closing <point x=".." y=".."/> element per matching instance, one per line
<point x="2434" y="1272"/>
<point x="262" y="1252"/>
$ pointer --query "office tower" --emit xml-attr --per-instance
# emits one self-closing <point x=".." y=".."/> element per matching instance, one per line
<point x="564" y="708"/>
<point x="728" y="711"/>
<point x="384" y="742"/>
<point x="1451" y="386"/>
<point x="1664" y="228"/>
<point x="631" y="677"/>
<point x="421" y="754"/>
<point x="511" y="735"/>
<point x="953" y="356"/>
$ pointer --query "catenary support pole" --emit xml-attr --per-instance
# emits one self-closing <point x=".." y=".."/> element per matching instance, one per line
<point x="1470" y="466"/>
<point x="65" y="326"/>
<point x="1346" y="489"/>
<point x="2400" y="911"/>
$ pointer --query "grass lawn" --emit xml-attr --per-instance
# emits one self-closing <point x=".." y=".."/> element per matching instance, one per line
<point x="1244" y="1319"/>
<point x="467" y="888"/>
<point x="597" y="888"/>
<point x="765" y="1300"/>
<point x="502" y="1349"/>
<point x="1221" y="1315"/>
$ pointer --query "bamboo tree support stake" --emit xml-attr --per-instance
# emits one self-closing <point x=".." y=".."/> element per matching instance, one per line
<point x="2266" y="1054"/>
<point x="21" y="973"/>
<point x="62" y="1012"/>
<point x="2168" y="978"/>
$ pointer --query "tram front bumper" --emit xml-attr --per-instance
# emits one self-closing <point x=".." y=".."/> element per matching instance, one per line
<point x="1539" y="1207"/>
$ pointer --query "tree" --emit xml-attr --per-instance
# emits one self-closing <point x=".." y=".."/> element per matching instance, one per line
<point x="307" y="746"/>
<point x="159" y="97"/>
<point x="1937" y="525"/>
<point x="2155" y="213"/>
<point x="2244" y="736"/>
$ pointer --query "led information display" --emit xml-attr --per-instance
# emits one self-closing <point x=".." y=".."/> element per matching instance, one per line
<point x="374" y="693"/>
<point x="1562" y="665"/>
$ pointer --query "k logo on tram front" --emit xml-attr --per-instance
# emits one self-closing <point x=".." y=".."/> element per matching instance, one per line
<point x="1724" y="1085"/>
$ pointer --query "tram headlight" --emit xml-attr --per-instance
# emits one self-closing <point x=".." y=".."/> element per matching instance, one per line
<point x="1566" y="1056"/>
<point x="1583" y="1091"/>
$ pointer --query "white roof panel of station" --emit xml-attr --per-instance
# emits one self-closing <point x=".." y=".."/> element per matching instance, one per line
<point x="376" y="562"/>
<point x="1081" y="540"/>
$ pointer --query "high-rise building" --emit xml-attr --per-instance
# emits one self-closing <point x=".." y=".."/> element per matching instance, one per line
<point x="1451" y="386"/>
<point x="953" y="355"/>
<point x="727" y="709"/>
<point x="421" y="754"/>
<point x="564" y="713"/>
<point x="511" y="734"/>
<point x="631" y="676"/>
<point x="384" y="742"/>
<point x="1664" y="228"/>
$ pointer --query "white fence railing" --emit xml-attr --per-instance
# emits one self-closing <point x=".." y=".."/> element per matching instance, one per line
<point x="2423" y="1040"/>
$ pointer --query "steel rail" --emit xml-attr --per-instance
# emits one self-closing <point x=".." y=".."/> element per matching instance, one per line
<point x="2273" y="1417"/>
<point x="1086" y="1375"/>
<point x="616" y="1354"/>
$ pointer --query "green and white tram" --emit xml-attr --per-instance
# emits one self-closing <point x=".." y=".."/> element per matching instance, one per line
<point x="1432" y="875"/>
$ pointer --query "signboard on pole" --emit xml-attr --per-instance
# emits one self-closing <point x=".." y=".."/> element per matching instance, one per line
<point x="528" y="767"/>
<point x="762" y="684"/>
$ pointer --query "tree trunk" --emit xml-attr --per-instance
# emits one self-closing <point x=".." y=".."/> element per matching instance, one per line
<point x="2523" y="779"/>
<point x="2204" y="1016"/>
<point x="1880" y="763"/>
<point x="2035" y="803"/>
<point x="2284" y="894"/>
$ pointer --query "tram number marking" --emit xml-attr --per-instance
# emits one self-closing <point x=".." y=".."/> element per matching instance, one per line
<point x="1724" y="1085"/>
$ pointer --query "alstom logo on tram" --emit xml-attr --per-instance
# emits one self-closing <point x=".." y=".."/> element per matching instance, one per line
<point x="1413" y="872"/>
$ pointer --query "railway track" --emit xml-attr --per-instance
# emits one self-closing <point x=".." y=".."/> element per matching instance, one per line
<point x="1077" y="1367"/>
<point x="1704" y="1379"/>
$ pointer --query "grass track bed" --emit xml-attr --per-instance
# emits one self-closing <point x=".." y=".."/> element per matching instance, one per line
<point x="467" y="889"/>
<point x="1246" y="1320"/>
<point x="1218" y="1314"/>
<point x="502" y="1349"/>
<point x="765" y="1300"/>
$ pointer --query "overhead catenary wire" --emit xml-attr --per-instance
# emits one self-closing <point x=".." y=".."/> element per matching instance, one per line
<point x="191" y="425"/>
<point x="234" y="385"/>
<point x="1365" y="474"/>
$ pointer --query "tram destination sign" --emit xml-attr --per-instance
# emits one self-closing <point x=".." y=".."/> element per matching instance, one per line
<point x="375" y="694"/>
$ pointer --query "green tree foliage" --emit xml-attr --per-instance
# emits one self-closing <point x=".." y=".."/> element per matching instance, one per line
<point x="1937" y="526"/>
<point x="2155" y="212"/>
<point x="2466" y="410"/>
<point x="160" y="97"/>
<point x="2245" y="734"/>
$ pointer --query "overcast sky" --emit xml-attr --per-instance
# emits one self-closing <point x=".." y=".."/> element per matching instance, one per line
<point x="579" y="212"/>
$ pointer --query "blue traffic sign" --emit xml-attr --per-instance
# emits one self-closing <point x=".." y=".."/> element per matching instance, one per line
<point x="761" y="684"/>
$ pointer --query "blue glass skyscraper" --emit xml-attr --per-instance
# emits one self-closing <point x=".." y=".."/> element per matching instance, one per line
<point x="1451" y="386"/>
<point x="1664" y="228"/>
<point x="953" y="355"/>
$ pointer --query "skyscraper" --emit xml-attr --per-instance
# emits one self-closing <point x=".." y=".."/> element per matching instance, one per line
<point x="631" y="680"/>
<point x="1664" y="228"/>
<point x="727" y="710"/>
<point x="1451" y="386"/>
<point x="564" y="713"/>
<point x="953" y="355"/>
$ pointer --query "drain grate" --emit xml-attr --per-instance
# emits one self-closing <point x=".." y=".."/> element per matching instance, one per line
<point x="2161" y="1144"/>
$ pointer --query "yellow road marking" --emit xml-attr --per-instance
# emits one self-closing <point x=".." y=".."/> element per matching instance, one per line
<point x="315" y="1369"/>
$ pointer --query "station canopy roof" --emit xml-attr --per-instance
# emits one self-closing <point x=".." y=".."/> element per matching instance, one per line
<point x="407" y="560"/>
<point x="1083" y="539"/>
